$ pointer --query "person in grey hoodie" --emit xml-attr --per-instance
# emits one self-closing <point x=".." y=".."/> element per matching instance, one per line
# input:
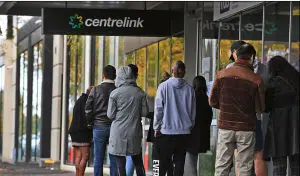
<point x="127" y="105"/>
<point x="174" y="118"/>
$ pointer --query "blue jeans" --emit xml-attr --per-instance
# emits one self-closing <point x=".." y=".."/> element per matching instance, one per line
<point x="129" y="166"/>
<point x="101" y="138"/>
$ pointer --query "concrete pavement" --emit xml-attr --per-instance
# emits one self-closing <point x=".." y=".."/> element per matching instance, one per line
<point x="28" y="169"/>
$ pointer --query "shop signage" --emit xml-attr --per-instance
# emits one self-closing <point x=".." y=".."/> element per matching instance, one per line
<point x="108" y="22"/>
<point x="224" y="9"/>
<point x="252" y="26"/>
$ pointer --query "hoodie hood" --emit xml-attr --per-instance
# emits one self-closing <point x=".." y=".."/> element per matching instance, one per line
<point x="125" y="77"/>
<point x="177" y="82"/>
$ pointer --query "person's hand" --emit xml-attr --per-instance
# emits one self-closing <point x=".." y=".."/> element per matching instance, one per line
<point x="156" y="133"/>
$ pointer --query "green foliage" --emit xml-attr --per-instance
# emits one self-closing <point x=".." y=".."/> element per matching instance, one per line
<point x="152" y="66"/>
<point x="140" y="63"/>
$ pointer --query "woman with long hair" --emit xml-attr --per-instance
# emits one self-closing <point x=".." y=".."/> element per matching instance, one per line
<point x="282" y="101"/>
<point x="199" y="141"/>
<point x="80" y="134"/>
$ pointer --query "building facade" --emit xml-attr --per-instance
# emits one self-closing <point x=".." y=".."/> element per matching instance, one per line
<point x="46" y="74"/>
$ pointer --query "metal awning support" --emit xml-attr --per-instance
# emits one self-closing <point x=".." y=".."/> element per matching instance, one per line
<point x="6" y="6"/>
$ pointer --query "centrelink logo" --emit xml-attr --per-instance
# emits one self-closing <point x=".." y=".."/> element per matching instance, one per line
<point x="76" y="21"/>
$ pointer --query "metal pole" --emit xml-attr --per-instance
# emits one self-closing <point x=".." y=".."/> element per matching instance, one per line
<point x="263" y="32"/>
<point x="219" y="47"/>
<point x="240" y="26"/>
<point x="290" y="32"/>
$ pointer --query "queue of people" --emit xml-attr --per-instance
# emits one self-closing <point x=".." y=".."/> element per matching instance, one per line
<point x="111" y="114"/>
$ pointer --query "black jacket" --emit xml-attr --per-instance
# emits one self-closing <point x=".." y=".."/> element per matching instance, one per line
<point x="97" y="104"/>
<point x="282" y="136"/>
<point x="79" y="121"/>
<point x="199" y="141"/>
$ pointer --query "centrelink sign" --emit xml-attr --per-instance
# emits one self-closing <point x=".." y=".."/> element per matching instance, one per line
<point x="108" y="22"/>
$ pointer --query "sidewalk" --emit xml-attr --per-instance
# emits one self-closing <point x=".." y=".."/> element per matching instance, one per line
<point x="28" y="169"/>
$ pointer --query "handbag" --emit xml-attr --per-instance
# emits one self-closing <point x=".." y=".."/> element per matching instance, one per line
<point x="289" y="86"/>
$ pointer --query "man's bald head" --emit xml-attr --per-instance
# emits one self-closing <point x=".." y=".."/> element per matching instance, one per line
<point x="178" y="69"/>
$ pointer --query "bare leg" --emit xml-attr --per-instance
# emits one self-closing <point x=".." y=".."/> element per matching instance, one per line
<point x="235" y="165"/>
<point x="85" y="157"/>
<point x="78" y="157"/>
<point x="259" y="164"/>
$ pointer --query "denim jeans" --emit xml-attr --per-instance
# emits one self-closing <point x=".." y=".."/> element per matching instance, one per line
<point x="138" y="163"/>
<point x="129" y="166"/>
<point x="101" y="138"/>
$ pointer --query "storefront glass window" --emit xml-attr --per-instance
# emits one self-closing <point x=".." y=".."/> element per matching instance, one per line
<point x="23" y="105"/>
<point x="295" y="49"/>
<point x="76" y="83"/>
<point x="277" y="30"/>
<point x="229" y="35"/>
<point x="164" y="57"/>
<point x="80" y="66"/>
<point x="36" y="100"/>
<point x="152" y="65"/>
<point x="130" y="58"/>
<point x="252" y="30"/>
<point x="121" y="56"/>
<point x="177" y="49"/>
<point x="109" y="54"/>
<point x="209" y="53"/>
<point x="2" y="70"/>
<point x="99" y="59"/>
<point x="141" y="64"/>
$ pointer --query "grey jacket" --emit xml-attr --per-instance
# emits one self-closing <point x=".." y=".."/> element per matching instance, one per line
<point x="127" y="105"/>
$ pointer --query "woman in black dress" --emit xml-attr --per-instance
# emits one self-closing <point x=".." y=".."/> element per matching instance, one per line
<point x="81" y="136"/>
<point x="282" y="101"/>
<point x="199" y="141"/>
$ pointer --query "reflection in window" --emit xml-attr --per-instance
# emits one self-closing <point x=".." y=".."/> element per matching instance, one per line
<point x="1" y="104"/>
<point x="36" y="99"/>
<point x="130" y="58"/>
<point x="252" y="34"/>
<point x="80" y="66"/>
<point x="276" y="30"/>
<point x="76" y="82"/>
<point x="209" y="53"/>
<point x="23" y="105"/>
<point x="109" y="54"/>
<point x="295" y="49"/>
<point x="99" y="59"/>
<point x="141" y="64"/>
<point x="228" y="37"/>
<point x="164" y="57"/>
<point x="152" y="66"/>
<point x="177" y="49"/>
<point x="121" y="56"/>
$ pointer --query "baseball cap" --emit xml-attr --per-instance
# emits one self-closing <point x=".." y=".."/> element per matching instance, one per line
<point x="236" y="46"/>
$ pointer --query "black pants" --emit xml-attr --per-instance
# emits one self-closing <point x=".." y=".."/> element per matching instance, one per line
<point x="137" y="161"/>
<point x="280" y="165"/>
<point x="155" y="160"/>
<point x="170" y="148"/>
